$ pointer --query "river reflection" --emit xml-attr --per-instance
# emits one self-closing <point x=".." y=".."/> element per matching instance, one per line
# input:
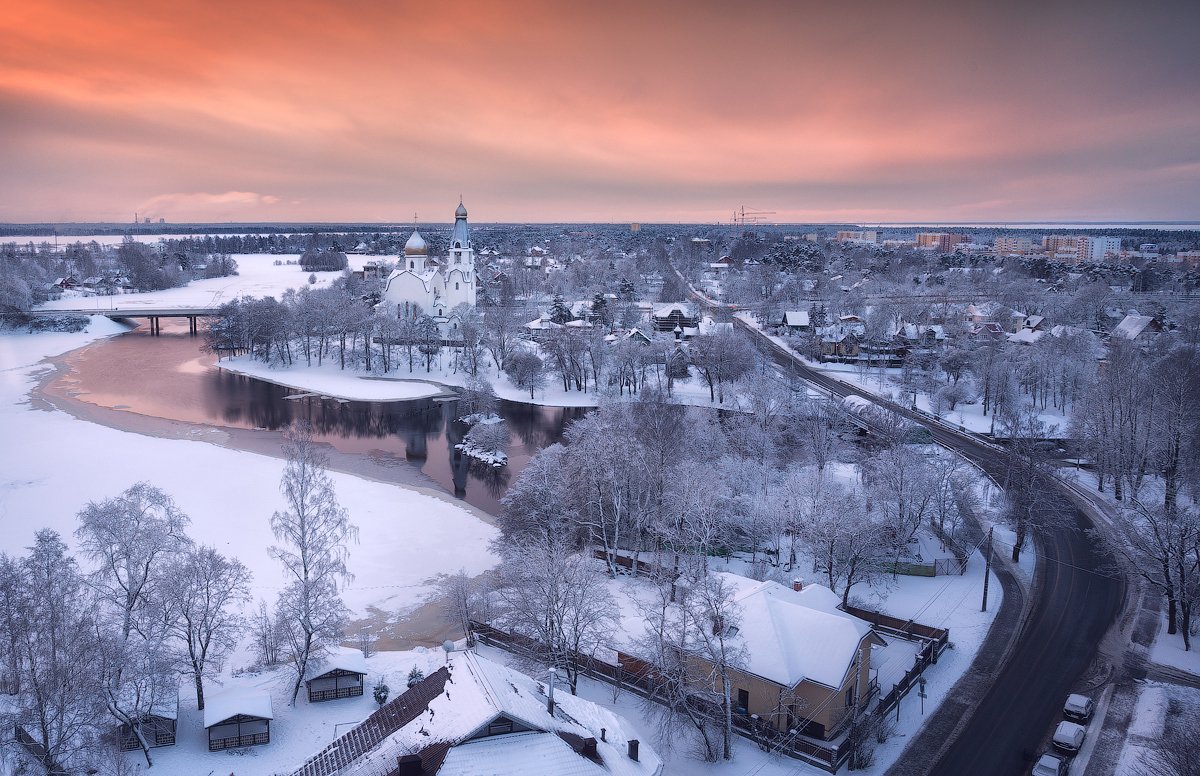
<point x="168" y="377"/>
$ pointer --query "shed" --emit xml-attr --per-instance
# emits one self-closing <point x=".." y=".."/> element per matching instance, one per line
<point x="157" y="725"/>
<point x="238" y="719"/>
<point x="341" y="675"/>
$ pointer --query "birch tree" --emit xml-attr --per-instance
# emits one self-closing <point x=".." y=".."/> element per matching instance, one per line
<point x="312" y="532"/>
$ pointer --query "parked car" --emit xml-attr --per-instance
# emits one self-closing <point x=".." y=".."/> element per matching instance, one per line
<point x="1051" y="765"/>
<point x="1078" y="708"/>
<point x="1068" y="737"/>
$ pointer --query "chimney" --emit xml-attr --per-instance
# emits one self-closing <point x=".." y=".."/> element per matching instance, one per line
<point x="410" y="765"/>
<point x="589" y="748"/>
<point x="797" y="584"/>
<point x="633" y="749"/>
<point x="603" y="734"/>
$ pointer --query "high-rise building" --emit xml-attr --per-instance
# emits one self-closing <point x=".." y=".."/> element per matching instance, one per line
<point x="1098" y="248"/>
<point x="858" y="236"/>
<point x="1010" y="245"/>
<point x="943" y="242"/>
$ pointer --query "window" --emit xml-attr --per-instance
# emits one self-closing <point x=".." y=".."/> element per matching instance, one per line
<point x="851" y="697"/>
<point x="456" y="286"/>
<point x="743" y="701"/>
<point x="500" y="726"/>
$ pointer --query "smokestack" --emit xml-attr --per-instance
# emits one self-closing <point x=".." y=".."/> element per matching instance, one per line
<point x="633" y="749"/>
<point x="797" y="585"/>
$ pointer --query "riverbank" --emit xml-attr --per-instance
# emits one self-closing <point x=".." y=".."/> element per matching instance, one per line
<point x="62" y="451"/>
<point x="329" y="380"/>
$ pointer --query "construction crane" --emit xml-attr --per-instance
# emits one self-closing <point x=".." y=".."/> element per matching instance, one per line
<point x="742" y="216"/>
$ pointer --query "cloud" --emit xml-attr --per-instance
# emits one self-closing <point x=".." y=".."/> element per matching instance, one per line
<point x="202" y="206"/>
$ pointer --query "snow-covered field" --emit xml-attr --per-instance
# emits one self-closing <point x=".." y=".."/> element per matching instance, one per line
<point x="258" y="276"/>
<point x="52" y="464"/>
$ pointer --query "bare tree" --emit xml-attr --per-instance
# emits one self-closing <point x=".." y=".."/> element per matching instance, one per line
<point x="559" y="600"/>
<point x="59" y="699"/>
<point x="458" y="602"/>
<point x="203" y="593"/>
<point x="313" y="532"/>
<point x="131" y="538"/>
<point x="526" y="370"/>
<point x="1177" y="751"/>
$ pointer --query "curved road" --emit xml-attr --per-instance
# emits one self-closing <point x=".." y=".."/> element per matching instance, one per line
<point x="1071" y="608"/>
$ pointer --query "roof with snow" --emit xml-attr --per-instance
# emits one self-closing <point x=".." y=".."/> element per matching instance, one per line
<point x="1132" y="326"/>
<point x="342" y="658"/>
<point x="221" y="707"/>
<point x="528" y="754"/>
<point x="454" y="724"/>
<point x="1026" y="336"/>
<point x="791" y="635"/>
<point x="795" y="318"/>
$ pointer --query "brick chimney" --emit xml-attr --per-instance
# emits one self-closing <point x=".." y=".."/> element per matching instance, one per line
<point x="633" y="749"/>
<point x="588" y="749"/>
<point x="797" y="584"/>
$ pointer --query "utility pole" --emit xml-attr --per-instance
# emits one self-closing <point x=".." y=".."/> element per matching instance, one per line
<point x="987" y="568"/>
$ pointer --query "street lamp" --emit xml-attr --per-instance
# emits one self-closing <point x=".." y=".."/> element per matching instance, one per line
<point x="553" y="674"/>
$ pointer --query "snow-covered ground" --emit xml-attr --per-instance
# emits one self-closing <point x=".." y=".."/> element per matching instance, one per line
<point x="1168" y="650"/>
<point x="52" y="464"/>
<point x="258" y="276"/>
<point x="297" y="732"/>
<point x="329" y="380"/>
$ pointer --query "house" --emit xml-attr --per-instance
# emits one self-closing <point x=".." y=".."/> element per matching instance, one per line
<point x="238" y="719"/>
<point x="475" y="716"/>
<point x="628" y="335"/>
<point x="539" y="328"/>
<point x="156" y="726"/>
<point x="797" y="320"/>
<point x="1135" y="328"/>
<point x="808" y="663"/>
<point x="672" y="316"/>
<point x="841" y="341"/>
<point x="340" y="675"/>
<point x="920" y="335"/>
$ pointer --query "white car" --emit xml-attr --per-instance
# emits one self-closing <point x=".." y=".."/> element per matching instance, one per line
<point x="1078" y="708"/>
<point x="1069" y="736"/>
<point x="1051" y="765"/>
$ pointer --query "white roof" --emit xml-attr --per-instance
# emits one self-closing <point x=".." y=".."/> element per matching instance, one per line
<point x="794" y="635"/>
<point x="252" y="703"/>
<point x="342" y="657"/>
<point x="1132" y="326"/>
<point x="666" y="310"/>
<point x="796" y="318"/>
<point x="1026" y="336"/>
<point x="482" y="690"/>
<point x="528" y="754"/>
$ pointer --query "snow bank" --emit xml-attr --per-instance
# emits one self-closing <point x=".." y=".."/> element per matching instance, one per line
<point x="329" y="380"/>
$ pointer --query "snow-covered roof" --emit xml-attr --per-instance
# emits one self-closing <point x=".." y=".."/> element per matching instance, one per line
<point x="1026" y="336"/>
<point x="218" y="708"/>
<point x="1132" y="326"/>
<point x="793" y="635"/>
<point x="346" y="659"/>
<point x="796" y="318"/>
<point x="482" y="690"/>
<point x="666" y="310"/>
<point x="528" y="754"/>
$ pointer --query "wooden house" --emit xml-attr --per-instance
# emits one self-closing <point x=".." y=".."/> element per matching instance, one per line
<point x="341" y="675"/>
<point x="157" y="726"/>
<point x="234" y="720"/>
<point x="674" y="316"/>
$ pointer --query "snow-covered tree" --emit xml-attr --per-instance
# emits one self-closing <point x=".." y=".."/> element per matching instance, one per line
<point x="312" y="532"/>
<point x="557" y="598"/>
<point x="132" y="539"/>
<point x="203" y="594"/>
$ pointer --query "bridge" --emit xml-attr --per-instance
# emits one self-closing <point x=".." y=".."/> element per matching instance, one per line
<point x="152" y="314"/>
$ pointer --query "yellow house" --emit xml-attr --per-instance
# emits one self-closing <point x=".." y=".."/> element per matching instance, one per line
<point x="807" y="664"/>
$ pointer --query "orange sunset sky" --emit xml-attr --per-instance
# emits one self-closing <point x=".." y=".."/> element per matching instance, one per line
<point x="596" y="111"/>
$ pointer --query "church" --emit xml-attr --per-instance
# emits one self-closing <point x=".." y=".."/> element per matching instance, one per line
<point x="425" y="285"/>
